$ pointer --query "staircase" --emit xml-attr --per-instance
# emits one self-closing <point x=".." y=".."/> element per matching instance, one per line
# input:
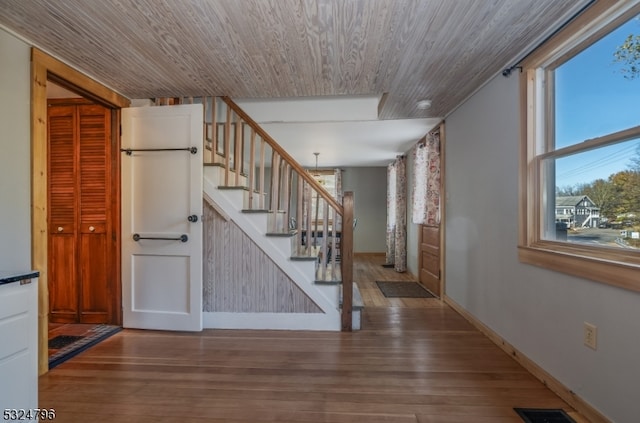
<point x="278" y="247"/>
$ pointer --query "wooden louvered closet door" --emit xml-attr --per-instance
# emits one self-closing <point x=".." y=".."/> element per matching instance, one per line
<point x="80" y="216"/>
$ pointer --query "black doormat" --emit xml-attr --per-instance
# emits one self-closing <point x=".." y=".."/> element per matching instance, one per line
<point x="388" y="266"/>
<point x="62" y="341"/>
<point x="403" y="289"/>
<point x="75" y="347"/>
<point x="544" y="415"/>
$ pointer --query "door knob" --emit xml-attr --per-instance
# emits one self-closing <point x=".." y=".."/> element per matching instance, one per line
<point x="60" y="229"/>
<point x="91" y="229"/>
<point x="193" y="218"/>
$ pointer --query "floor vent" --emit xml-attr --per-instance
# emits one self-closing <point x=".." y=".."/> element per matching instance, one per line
<point x="543" y="415"/>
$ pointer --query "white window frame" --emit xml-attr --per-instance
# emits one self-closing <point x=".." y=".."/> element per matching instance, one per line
<point x="618" y="267"/>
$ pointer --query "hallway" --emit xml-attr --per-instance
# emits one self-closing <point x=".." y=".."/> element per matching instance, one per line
<point x="410" y="363"/>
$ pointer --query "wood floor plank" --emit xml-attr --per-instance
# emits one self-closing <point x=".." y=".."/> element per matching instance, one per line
<point x="413" y="362"/>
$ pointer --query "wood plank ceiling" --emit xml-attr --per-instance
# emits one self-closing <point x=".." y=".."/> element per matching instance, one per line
<point x="441" y="50"/>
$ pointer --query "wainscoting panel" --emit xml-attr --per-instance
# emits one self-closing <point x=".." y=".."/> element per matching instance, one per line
<point x="239" y="277"/>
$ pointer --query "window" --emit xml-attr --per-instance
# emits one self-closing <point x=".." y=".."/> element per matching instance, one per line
<point x="326" y="178"/>
<point x="581" y="158"/>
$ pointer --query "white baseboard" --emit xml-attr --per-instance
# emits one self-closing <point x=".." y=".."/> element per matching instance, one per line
<point x="275" y="321"/>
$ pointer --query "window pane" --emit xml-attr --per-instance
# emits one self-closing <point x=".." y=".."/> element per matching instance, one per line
<point x="596" y="194"/>
<point x="595" y="94"/>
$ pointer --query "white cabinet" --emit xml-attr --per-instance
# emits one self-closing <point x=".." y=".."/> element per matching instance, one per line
<point x="18" y="344"/>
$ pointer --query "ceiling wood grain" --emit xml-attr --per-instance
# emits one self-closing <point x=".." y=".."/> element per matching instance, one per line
<point x="411" y="49"/>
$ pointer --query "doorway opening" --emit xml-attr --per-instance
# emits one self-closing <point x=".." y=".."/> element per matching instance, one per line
<point x="80" y="209"/>
<point x="65" y="187"/>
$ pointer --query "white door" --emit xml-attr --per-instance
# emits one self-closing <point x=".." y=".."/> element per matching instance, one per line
<point x="161" y="217"/>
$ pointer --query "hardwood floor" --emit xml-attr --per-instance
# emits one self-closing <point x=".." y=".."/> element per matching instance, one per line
<point x="367" y="269"/>
<point x="410" y="363"/>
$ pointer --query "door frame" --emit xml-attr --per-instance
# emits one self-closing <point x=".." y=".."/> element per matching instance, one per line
<point x="44" y="67"/>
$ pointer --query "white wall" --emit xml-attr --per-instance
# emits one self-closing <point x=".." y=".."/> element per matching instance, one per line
<point x="540" y="312"/>
<point x="369" y="185"/>
<point x="15" y="161"/>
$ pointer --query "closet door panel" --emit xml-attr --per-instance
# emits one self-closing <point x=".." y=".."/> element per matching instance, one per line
<point x="63" y="286"/>
<point x="62" y="215"/>
<point x="94" y="303"/>
<point x="94" y="206"/>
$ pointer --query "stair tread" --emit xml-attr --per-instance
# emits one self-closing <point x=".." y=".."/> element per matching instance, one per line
<point x="232" y="187"/>
<point x="282" y="234"/>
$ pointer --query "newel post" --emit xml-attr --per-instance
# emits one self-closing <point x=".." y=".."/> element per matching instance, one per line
<point x="347" y="261"/>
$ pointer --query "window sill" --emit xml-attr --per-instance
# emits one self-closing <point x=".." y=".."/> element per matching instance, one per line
<point x="575" y="261"/>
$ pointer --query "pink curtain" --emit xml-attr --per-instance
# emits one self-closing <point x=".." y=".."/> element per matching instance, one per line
<point x="397" y="214"/>
<point x="419" y="186"/>
<point x="433" y="178"/>
<point x="426" y="181"/>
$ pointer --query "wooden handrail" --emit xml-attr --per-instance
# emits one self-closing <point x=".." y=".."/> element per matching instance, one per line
<point x="292" y="162"/>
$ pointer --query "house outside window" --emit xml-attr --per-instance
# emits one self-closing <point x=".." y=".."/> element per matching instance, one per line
<point x="577" y="212"/>
<point x="581" y="148"/>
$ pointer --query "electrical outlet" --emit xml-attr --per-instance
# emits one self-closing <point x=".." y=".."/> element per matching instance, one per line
<point x="590" y="335"/>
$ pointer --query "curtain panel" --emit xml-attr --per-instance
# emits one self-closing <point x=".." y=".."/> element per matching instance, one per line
<point x="400" y="261"/>
<point x="419" y="185"/>
<point x="426" y="181"/>
<point x="391" y="214"/>
<point x="396" y="253"/>
<point x="433" y="178"/>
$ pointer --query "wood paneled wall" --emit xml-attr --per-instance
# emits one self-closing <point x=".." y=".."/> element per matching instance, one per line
<point x="240" y="277"/>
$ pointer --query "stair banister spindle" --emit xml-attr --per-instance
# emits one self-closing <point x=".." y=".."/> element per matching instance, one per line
<point x="286" y="195"/>
<point x="261" y="191"/>
<point x="214" y="128"/>
<point x="237" y="155"/>
<point x="227" y="147"/>
<point x="299" y="213"/>
<point x="334" y="244"/>
<point x="252" y="170"/>
<point x="325" y="237"/>
<point x="308" y="200"/>
<point x="207" y="154"/>
<point x="275" y="194"/>
<point x="290" y="193"/>
<point x="315" y="220"/>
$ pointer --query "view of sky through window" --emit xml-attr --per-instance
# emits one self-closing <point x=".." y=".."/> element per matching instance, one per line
<point x="594" y="98"/>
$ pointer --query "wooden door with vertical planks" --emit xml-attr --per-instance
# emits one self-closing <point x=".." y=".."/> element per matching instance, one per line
<point x="62" y="215"/>
<point x="81" y="280"/>
<point x="95" y="223"/>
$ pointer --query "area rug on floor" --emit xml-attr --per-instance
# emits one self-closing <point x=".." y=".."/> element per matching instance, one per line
<point x="69" y="347"/>
<point x="403" y="289"/>
<point x="543" y="415"/>
<point x="62" y="341"/>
